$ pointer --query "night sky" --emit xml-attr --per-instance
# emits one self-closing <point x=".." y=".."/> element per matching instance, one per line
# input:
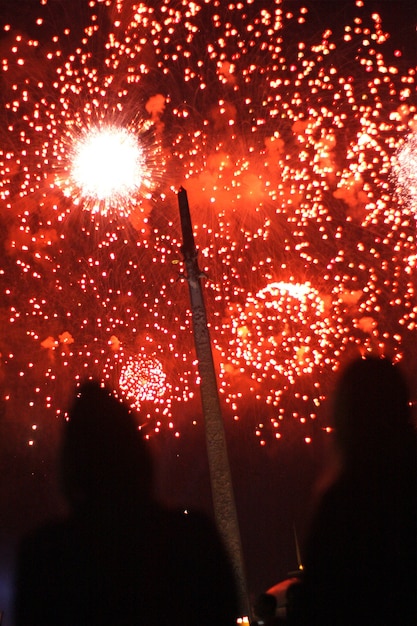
<point x="292" y="125"/>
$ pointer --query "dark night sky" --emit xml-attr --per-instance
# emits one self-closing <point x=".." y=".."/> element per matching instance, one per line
<point x="273" y="487"/>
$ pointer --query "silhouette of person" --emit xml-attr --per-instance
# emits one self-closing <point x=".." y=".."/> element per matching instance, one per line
<point x="119" y="557"/>
<point x="265" y="609"/>
<point x="360" y="558"/>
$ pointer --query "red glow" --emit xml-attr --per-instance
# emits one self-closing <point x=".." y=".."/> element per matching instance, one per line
<point x="297" y="150"/>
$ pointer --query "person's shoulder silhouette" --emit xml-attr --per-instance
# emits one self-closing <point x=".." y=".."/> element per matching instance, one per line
<point x="360" y="559"/>
<point x="119" y="557"/>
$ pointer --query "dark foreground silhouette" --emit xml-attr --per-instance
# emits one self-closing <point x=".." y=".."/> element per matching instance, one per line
<point x="360" y="560"/>
<point x="119" y="558"/>
<point x="265" y="609"/>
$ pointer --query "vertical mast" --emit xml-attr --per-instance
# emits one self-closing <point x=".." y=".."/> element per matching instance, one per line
<point x="220" y="476"/>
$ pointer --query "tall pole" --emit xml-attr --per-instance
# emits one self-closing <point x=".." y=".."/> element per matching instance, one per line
<point x="220" y="476"/>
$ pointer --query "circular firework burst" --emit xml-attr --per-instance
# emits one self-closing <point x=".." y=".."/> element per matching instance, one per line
<point x="282" y="329"/>
<point x="108" y="168"/>
<point x="282" y="341"/>
<point x="142" y="379"/>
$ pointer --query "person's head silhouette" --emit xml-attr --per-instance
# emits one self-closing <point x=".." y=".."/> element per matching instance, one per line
<point x="103" y="453"/>
<point x="372" y="416"/>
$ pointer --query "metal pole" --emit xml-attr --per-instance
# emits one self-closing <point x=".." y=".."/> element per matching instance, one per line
<point x="220" y="476"/>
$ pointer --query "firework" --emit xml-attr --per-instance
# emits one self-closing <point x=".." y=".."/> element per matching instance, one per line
<point x="283" y="129"/>
<point x="405" y="170"/>
<point x="271" y="329"/>
<point x="143" y="381"/>
<point x="108" y="168"/>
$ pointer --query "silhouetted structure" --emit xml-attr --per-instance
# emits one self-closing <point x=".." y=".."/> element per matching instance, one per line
<point x="360" y="558"/>
<point x="119" y="558"/>
<point x="218" y="458"/>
